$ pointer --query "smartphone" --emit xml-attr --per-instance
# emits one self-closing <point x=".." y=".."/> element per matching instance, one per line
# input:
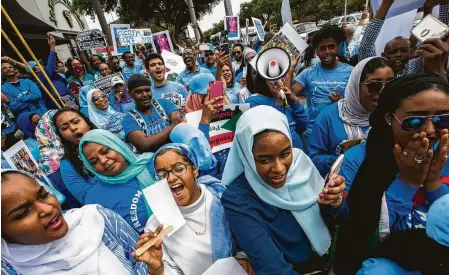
<point x="225" y="47"/>
<point x="216" y="90"/>
<point x="430" y="27"/>
<point x="335" y="169"/>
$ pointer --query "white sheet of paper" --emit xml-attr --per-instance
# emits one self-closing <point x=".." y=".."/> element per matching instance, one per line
<point x="225" y="266"/>
<point x="173" y="62"/>
<point x="399" y="6"/>
<point x="163" y="205"/>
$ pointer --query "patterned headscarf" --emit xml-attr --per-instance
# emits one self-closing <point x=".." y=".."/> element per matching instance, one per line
<point x="50" y="145"/>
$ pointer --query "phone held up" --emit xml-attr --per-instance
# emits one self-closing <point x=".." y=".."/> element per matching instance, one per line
<point x="430" y="27"/>
<point x="216" y="90"/>
<point x="224" y="47"/>
<point x="335" y="169"/>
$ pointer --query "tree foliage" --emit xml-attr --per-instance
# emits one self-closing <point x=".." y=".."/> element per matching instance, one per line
<point x="157" y="14"/>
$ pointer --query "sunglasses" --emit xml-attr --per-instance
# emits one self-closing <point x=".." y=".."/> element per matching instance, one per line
<point x="413" y="123"/>
<point x="95" y="98"/>
<point x="376" y="86"/>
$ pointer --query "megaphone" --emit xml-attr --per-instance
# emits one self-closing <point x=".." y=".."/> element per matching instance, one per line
<point x="273" y="63"/>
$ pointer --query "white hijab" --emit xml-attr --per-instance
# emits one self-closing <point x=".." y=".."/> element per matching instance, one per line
<point x="81" y="251"/>
<point x="350" y="110"/>
<point x="304" y="183"/>
<point x="98" y="117"/>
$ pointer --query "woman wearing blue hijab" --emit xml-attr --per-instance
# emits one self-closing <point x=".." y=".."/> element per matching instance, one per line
<point x="27" y="123"/>
<point x="207" y="235"/>
<point x="275" y="199"/>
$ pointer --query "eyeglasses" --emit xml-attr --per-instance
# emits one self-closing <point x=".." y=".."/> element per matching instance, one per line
<point x="95" y="98"/>
<point x="179" y="170"/>
<point x="376" y="86"/>
<point x="236" y="53"/>
<point x="413" y="123"/>
<point x="208" y="54"/>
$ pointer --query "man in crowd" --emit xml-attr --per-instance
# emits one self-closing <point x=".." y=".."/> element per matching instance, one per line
<point x="192" y="68"/>
<point x="104" y="70"/>
<point x="397" y="50"/>
<point x="210" y="60"/>
<point x="325" y="82"/>
<point x="161" y="87"/>
<point x="20" y="95"/>
<point x="149" y="125"/>
<point x="237" y="53"/>
<point x="131" y="67"/>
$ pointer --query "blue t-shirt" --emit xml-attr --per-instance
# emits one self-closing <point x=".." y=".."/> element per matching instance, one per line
<point x="318" y="83"/>
<point x="87" y="80"/>
<point x="154" y="122"/>
<point x="296" y="115"/>
<point x="327" y="135"/>
<point x="8" y="126"/>
<point x="24" y="96"/>
<point x="185" y="76"/>
<point x="128" y="72"/>
<point x="212" y="69"/>
<point x="172" y="91"/>
<point x="233" y="93"/>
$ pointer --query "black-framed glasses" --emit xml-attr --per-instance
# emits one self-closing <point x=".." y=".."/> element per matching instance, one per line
<point x="98" y="97"/>
<point x="413" y="123"/>
<point x="179" y="170"/>
<point x="376" y="86"/>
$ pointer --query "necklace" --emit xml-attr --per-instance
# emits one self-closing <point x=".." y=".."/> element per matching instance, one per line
<point x="205" y="218"/>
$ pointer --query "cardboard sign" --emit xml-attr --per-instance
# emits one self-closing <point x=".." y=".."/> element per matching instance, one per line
<point x="162" y="42"/>
<point x="222" y="126"/>
<point x="105" y="84"/>
<point x="173" y="62"/>
<point x="90" y="39"/>
<point x="259" y="28"/>
<point x="131" y="37"/>
<point x="232" y="25"/>
<point x="119" y="48"/>
<point x="399" y="7"/>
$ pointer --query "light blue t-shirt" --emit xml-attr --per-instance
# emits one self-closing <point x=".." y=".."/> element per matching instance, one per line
<point x="128" y="72"/>
<point x="172" y="91"/>
<point x="233" y="93"/>
<point x="154" y="122"/>
<point x="185" y="76"/>
<point x="87" y="80"/>
<point x="212" y="69"/>
<point x="318" y="83"/>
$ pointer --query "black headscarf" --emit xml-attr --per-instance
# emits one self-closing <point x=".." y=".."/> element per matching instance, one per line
<point x="376" y="173"/>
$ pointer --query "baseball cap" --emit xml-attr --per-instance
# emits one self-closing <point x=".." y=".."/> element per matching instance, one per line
<point x="200" y="82"/>
<point x="437" y="226"/>
<point x="117" y="80"/>
<point x="137" y="80"/>
<point x="32" y="65"/>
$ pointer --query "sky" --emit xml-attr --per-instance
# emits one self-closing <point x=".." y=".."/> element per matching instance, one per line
<point x="205" y="23"/>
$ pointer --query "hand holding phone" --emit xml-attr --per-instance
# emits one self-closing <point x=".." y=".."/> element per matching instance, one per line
<point x="335" y="169"/>
<point x="430" y="27"/>
<point x="216" y="90"/>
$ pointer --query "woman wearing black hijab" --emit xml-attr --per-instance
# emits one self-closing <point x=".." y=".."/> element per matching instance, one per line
<point x="407" y="145"/>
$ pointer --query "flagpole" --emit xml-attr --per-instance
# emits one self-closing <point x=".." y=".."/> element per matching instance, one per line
<point x="346" y="8"/>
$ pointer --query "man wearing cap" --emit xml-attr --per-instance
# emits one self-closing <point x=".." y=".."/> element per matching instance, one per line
<point x="162" y="87"/>
<point x="119" y="98"/>
<point x="192" y="68"/>
<point x="148" y="125"/>
<point x="211" y="60"/>
<point x="58" y="81"/>
<point x="20" y="95"/>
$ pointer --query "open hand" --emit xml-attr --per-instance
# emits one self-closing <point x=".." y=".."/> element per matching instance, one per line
<point x="437" y="163"/>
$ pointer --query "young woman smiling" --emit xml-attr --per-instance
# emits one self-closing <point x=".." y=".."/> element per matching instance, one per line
<point x="276" y="197"/>
<point x="38" y="238"/>
<point x="207" y="235"/>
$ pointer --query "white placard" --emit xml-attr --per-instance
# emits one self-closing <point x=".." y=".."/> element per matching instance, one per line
<point x="173" y="62"/>
<point x="399" y="6"/>
<point x="259" y="28"/>
<point x="225" y="266"/>
<point x="164" y="207"/>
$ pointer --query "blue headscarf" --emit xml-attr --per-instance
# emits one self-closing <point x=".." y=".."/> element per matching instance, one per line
<point x="137" y="164"/>
<point x="83" y="95"/>
<point x="25" y="125"/>
<point x="303" y="185"/>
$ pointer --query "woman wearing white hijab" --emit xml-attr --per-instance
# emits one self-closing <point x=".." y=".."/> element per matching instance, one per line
<point x="103" y="115"/>
<point x="273" y="196"/>
<point x="346" y="123"/>
<point x="39" y="239"/>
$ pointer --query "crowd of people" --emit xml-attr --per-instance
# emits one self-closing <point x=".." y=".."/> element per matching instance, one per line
<point x="270" y="200"/>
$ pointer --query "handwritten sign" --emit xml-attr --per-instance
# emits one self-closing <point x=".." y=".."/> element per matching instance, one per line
<point x="90" y="39"/>
<point x="130" y="37"/>
<point x="105" y="83"/>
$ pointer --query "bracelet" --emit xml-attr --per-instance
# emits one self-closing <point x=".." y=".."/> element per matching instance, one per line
<point x="160" y="271"/>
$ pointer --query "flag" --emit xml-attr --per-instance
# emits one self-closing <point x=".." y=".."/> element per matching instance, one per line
<point x="286" y="12"/>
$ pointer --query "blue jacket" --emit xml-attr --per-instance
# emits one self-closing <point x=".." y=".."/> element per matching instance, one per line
<point x="407" y="205"/>
<point x="24" y="96"/>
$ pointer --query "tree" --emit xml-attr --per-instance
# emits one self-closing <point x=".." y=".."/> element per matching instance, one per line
<point x="172" y="15"/>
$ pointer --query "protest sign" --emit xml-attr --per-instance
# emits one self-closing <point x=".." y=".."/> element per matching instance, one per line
<point x="222" y="126"/>
<point x="259" y="28"/>
<point x="399" y="7"/>
<point x="105" y="83"/>
<point x="90" y="39"/>
<point x="288" y="39"/>
<point x="162" y="41"/>
<point x="400" y="25"/>
<point x="119" y="48"/>
<point x="173" y="62"/>
<point x="128" y="37"/>
<point x="232" y="26"/>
